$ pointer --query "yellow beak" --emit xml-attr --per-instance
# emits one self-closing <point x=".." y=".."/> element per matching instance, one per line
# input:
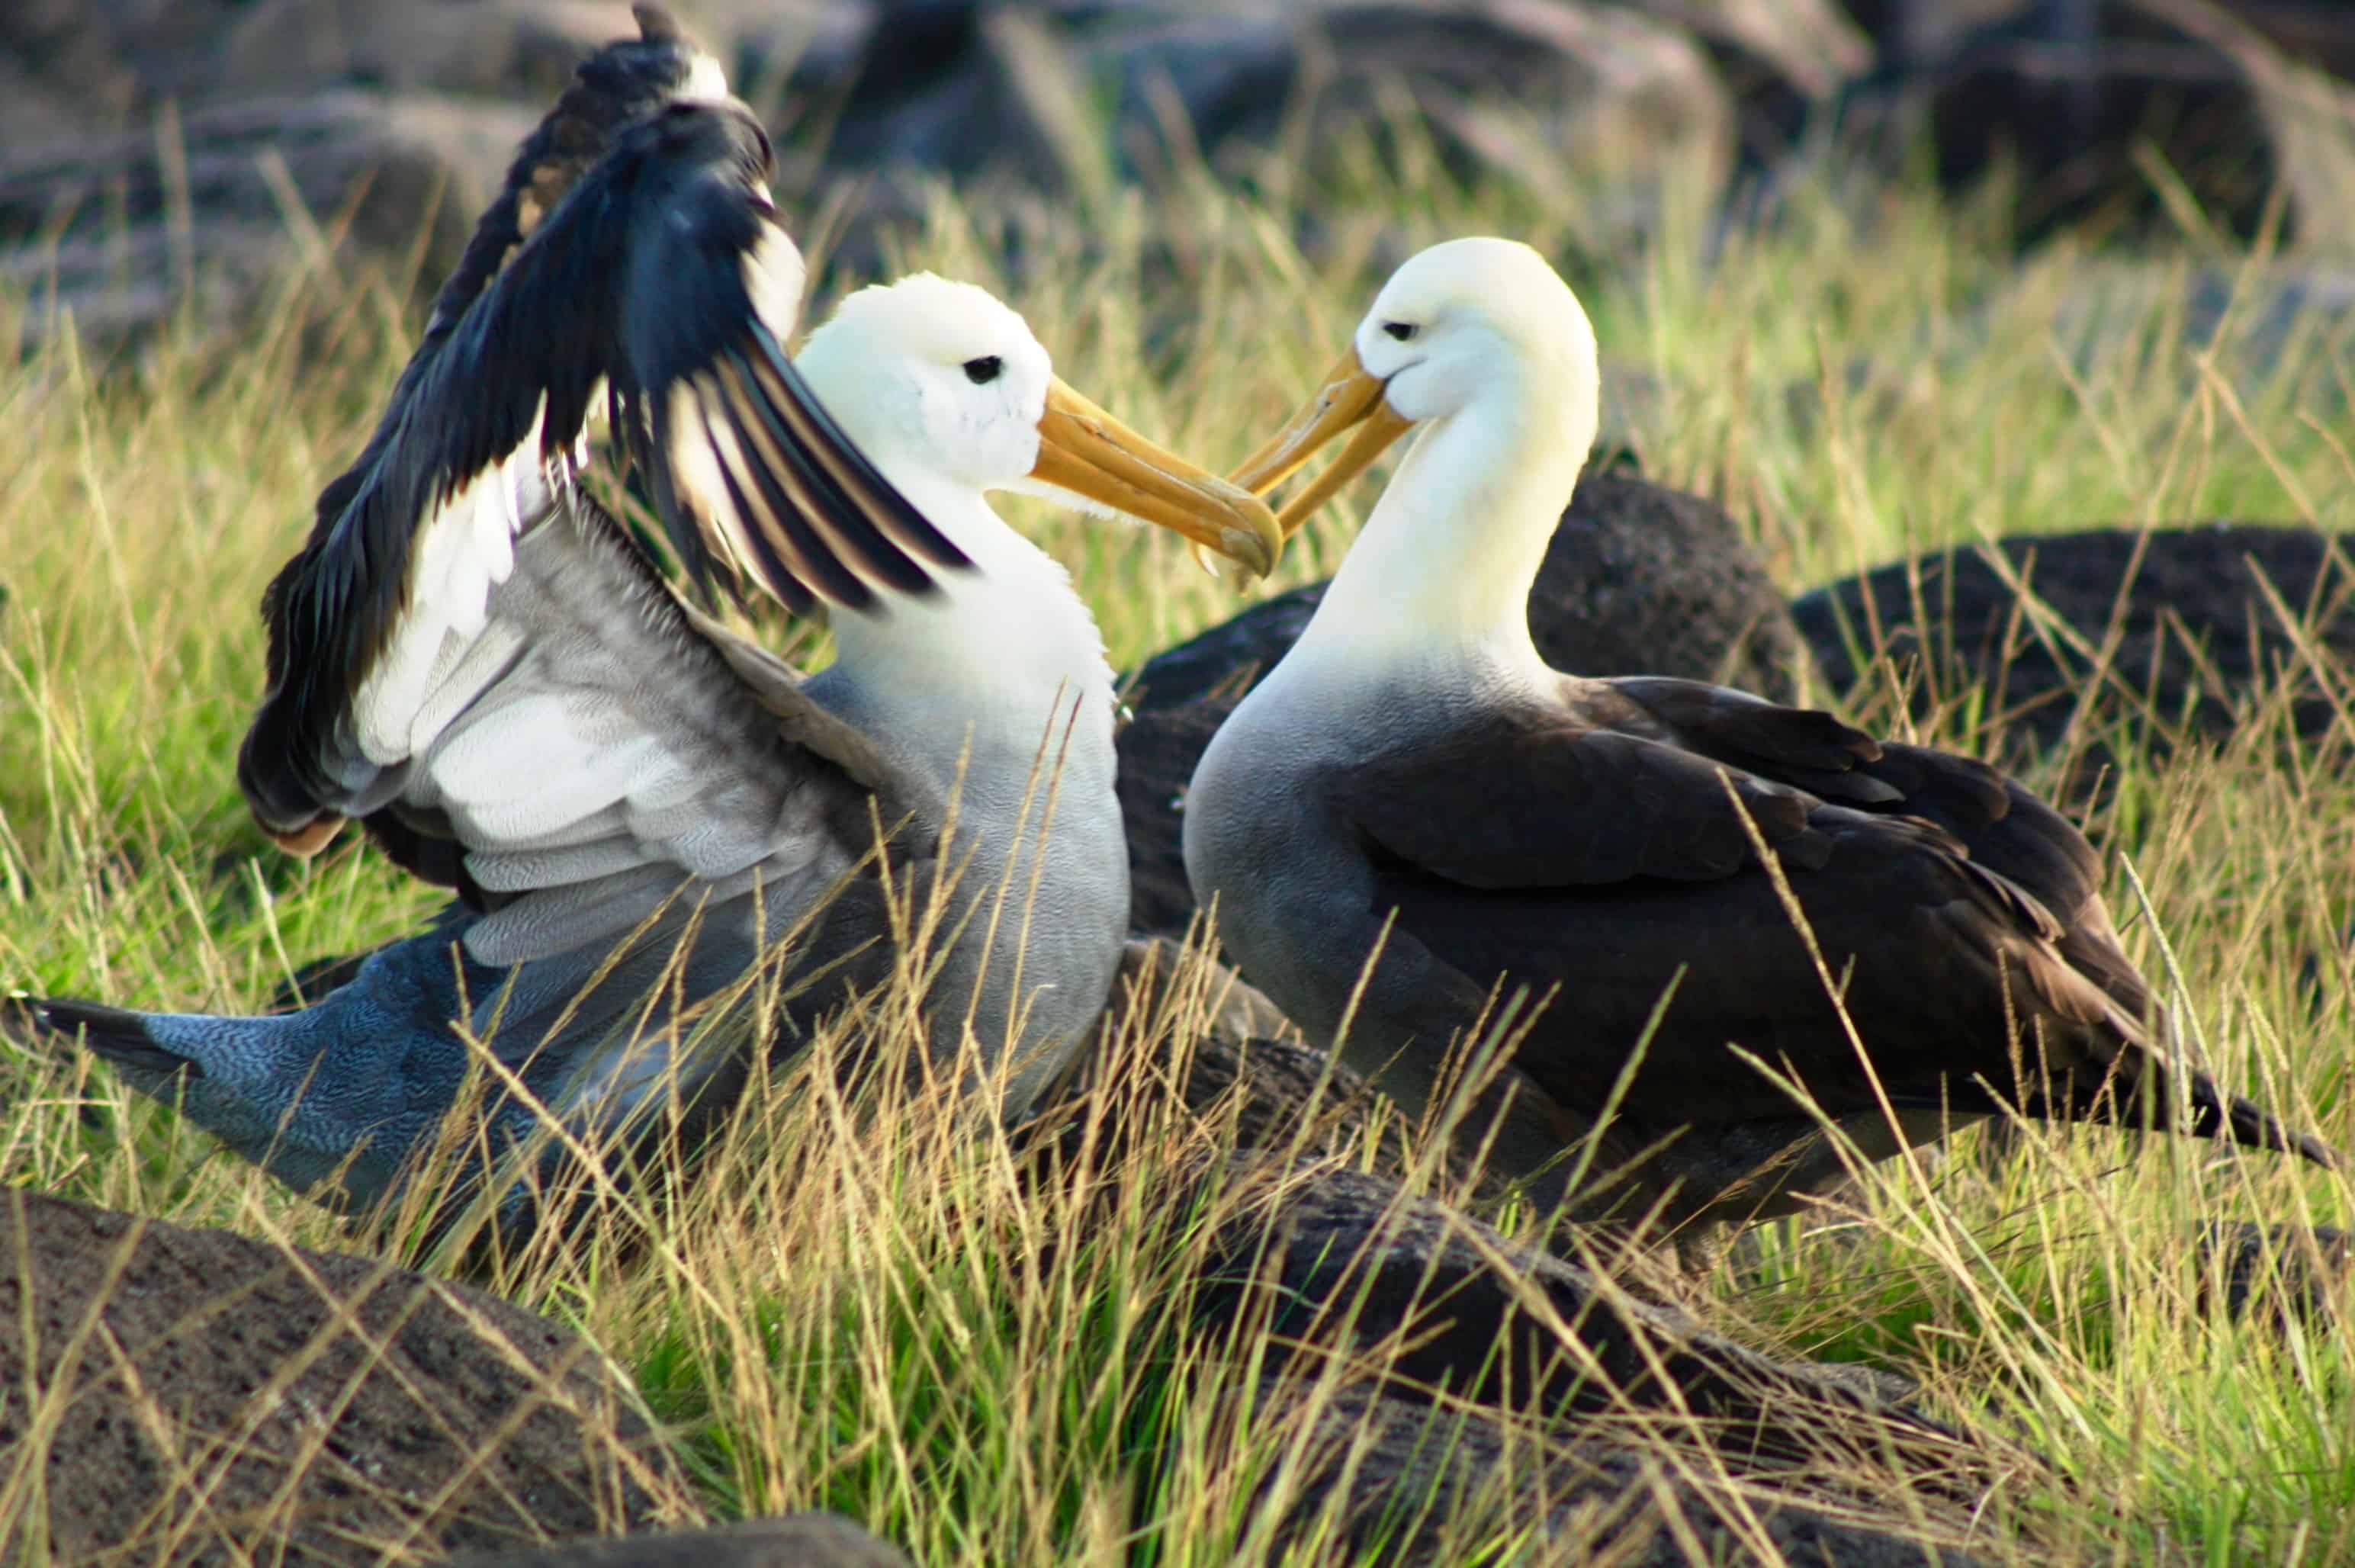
<point x="1349" y="397"/>
<point x="1086" y="450"/>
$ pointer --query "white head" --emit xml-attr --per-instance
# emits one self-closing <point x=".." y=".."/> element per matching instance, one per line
<point x="1481" y="343"/>
<point x="947" y="391"/>
<point x="926" y="374"/>
<point x="1480" y="322"/>
<point x="1474" y="317"/>
<point x="950" y="396"/>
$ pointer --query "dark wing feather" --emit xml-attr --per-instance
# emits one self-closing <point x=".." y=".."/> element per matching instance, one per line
<point x="1802" y="747"/>
<point x="1551" y="849"/>
<point x="1561" y="844"/>
<point x="1536" y="798"/>
<point x="327" y="608"/>
<point x="743" y="461"/>
<point x="2001" y="826"/>
<point x="658" y="279"/>
<point x="620" y="83"/>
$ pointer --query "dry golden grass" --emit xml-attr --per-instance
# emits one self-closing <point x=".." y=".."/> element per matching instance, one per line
<point x="869" y="1309"/>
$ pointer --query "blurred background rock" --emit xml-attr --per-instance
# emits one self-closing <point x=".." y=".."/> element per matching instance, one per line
<point x="163" y="153"/>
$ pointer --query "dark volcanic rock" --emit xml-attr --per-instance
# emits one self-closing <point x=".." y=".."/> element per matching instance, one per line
<point x="1339" y="1262"/>
<point x="124" y="228"/>
<point x="159" y="170"/>
<point x="1477" y="1375"/>
<point x="2197" y="636"/>
<point x="1639" y="580"/>
<point x="2073" y="95"/>
<point x="2263" y="320"/>
<point x="797" y="1540"/>
<point x="521" y="49"/>
<point x="100" y="98"/>
<point x="122" y="63"/>
<point x="2283" y="1271"/>
<point x="196" y="1386"/>
<point x="1605" y="99"/>
<point x="1249" y="1064"/>
<point x="1467" y="1361"/>
<point x="1386" y="1475"/>
<point x="955" y="87"/>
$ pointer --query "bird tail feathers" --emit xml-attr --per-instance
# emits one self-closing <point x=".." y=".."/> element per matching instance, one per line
<point x="116" y="1034"/>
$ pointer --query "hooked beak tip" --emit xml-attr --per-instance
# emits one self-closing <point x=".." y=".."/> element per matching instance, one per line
<point x="1255" y="549"/>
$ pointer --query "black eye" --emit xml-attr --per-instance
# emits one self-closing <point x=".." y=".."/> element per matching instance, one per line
<point x="1401" y="330"/>
<point x="981" y="372"/>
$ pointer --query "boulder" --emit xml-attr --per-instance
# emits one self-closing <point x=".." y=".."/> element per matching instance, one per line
<point x="125" y="229"/>
<point x="1412" y="1364"/>
<point x="2198" y="640"/>
<point x="1578" y="101"/>
<point x="1388" y="1478"/>
<point x="522" y="50"/>
<point x="202" y="1397"/>
<point x="1341" y="1264"/>
<point x="1639" y="580"/>
<point x="120" y="64"/>
<point x="189" y="154"/>
<point x="2284" y="1271"/>
<point x="958" y="87"/>
<point x="2075" y="97"/>
<point x="1045" y="100"/>
<point x="1183" y="1032"/>
<point x="797" y="1540"/>
<point x="2263" y="319"/>
<point x="1418" y="1355"/>
<point x="1158" y="748"/>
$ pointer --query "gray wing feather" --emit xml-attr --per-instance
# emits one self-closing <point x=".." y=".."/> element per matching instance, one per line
<point x="598" y="753"/>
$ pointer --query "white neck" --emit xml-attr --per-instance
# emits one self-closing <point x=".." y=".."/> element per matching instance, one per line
<point x="1440" y="575"/>
<point x="991" y="659"/>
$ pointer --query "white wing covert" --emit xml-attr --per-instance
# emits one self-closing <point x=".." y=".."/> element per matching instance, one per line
<point x="604" y="755"/>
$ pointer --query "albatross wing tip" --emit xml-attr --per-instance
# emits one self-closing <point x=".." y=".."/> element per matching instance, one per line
<point x="2310" y="1147"/>
<point x="307" y="840"/>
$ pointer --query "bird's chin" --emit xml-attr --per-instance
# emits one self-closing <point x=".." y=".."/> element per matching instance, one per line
<point x="1086" y="504"/>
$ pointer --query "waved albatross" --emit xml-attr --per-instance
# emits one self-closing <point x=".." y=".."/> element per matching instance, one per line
<point x="1414" y="761"/>
<point x="637" y="805"/>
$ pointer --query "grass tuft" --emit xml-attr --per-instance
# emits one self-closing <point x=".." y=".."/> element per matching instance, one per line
<point x="875" y="1307"/>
